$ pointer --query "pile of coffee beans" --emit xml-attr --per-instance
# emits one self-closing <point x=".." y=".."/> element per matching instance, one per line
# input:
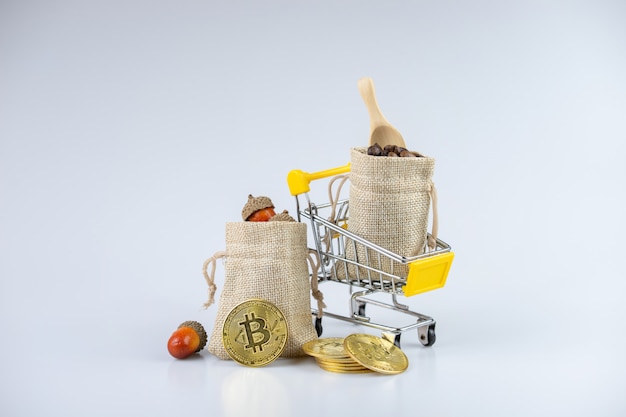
<point x="392" y="150"/>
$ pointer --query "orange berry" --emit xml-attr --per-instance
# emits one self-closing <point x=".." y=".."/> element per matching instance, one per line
<point x="262" y="215"/>
<point x="183" y="342"/>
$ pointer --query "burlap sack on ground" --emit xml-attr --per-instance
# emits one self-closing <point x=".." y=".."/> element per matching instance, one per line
<point x="267" y="260"/>
<point x="389" y="206"/>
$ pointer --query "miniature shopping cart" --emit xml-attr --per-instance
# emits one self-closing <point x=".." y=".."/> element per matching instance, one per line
<point x="351" y="260"/>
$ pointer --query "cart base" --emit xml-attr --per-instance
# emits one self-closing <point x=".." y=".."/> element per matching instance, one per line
<point x="425" y="325"/>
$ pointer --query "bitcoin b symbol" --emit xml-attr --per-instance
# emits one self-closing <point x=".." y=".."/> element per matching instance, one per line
<point x="254" y="333"/>
<point x="253" y="326"/>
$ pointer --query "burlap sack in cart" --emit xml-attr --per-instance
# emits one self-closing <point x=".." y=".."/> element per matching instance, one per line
<point x="266" y="260"/>
<point x="390" y="200"/>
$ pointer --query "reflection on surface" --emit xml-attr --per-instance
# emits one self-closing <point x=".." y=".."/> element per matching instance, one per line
<point x="252" y="392"/>
<point x="188" y="372"/>
<point x="425" y="360"/>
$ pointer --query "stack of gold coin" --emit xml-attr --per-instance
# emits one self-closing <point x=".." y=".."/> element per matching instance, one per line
<point x="375" y="353"/>
<point x="331" y="356"/>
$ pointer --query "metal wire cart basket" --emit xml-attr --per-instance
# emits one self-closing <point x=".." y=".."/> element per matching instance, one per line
<point x="351" y="260"/>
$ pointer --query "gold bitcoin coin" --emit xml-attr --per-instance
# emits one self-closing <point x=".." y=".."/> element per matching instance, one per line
<point x="376" y="353"/>
<point x="255" y="333"/>
<point x="342" y="361"/>
<point x="345" y="362"/>
<point x="328" y="348"/>
<point x="341" y="370"/>
<point x="355" y="367"/>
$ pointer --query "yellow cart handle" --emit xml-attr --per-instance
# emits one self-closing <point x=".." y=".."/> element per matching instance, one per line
<point x="298" y="180"/>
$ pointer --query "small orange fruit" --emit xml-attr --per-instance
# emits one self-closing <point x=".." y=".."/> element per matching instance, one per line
<point x="262" y="215"/>
<point x="183" y="342"/>
<point x="189" y="338"/>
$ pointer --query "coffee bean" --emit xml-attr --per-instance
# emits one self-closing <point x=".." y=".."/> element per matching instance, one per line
<point x="392" y="151"/>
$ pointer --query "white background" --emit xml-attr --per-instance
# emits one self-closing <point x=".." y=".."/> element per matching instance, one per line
<point x="132" y="131"/>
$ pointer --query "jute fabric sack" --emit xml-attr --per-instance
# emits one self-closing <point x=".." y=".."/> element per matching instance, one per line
<point x="266" y="260"/>
<point x="389" y="205"/>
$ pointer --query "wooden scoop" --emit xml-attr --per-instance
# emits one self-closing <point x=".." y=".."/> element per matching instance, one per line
<point x="381" y="131"/>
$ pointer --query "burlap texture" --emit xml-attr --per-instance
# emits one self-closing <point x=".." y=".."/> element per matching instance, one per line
<point x="267" y="260"/>
<point x="389" y="206"/>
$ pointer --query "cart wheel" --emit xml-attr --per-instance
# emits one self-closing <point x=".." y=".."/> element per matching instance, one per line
<point x="427" y="335"/>
<point x="318" y="326"/>
<point x="361" y="309"/>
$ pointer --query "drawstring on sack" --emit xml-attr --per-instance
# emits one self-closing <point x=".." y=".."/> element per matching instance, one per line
<point x="315" y="292"/>
<point x="333" y="201"/>
<point x="333" y="205"/>
<point x="432" y="238"/>
<point x="210" y="279"/>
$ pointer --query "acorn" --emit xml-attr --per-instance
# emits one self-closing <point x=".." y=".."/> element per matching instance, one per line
<point x="199" y="329"/>
<point x="282" y="217"/>
<point x="189" y="338"/>
<point x="258" y="209"/>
